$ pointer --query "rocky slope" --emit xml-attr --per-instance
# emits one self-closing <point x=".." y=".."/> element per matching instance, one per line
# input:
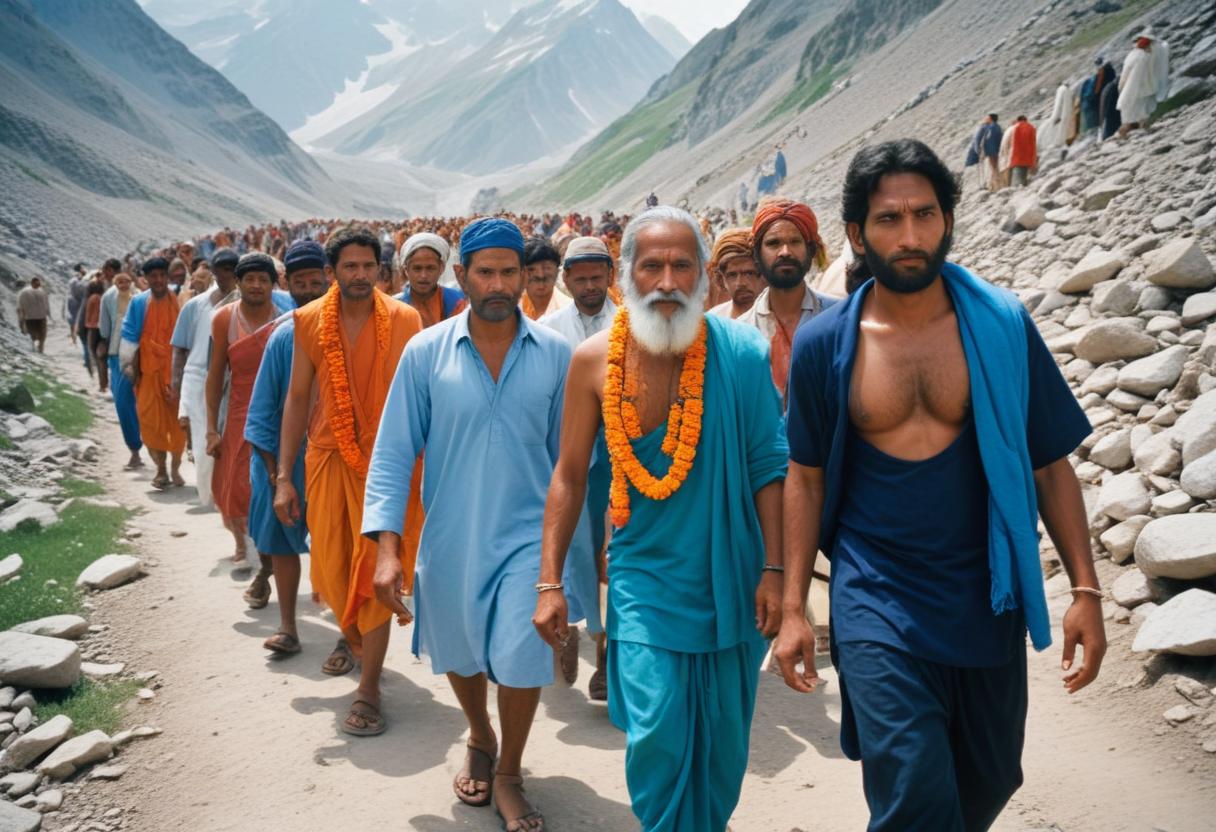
<point x="1112" y="252"/>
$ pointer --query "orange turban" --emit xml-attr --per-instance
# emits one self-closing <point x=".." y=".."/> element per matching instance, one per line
<point x="732" y="242"/>
<point x="800" y="215"/>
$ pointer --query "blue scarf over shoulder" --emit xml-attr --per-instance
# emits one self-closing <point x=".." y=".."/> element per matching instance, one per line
<point x="994" y="342"/>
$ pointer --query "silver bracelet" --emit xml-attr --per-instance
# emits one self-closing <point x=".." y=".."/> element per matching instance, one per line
<point x="1088" y="590"/>
<point x="768" y="567"/>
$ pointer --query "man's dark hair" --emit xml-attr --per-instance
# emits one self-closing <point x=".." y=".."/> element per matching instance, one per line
<point x="872" y="163"/>
<point x="114" y="263"/>
<point x="350" y="235"/>
<point x="865" y="173"/>
<point x="992" y="116"/>
<point x="197" y="261"/>
<point x="540" y="250"/>
<point x="1021" y="118"/>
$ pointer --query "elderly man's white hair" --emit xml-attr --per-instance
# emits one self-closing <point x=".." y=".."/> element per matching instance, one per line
<point x="655" y="216"/>
<point x="656" y="333"/>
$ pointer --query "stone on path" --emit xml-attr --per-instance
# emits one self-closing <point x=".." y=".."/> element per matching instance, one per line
<point x="38" y="661"/>
<point x="1027" y="211"/>
<point x="1114" y="339"/>
<point x="1157" y="455"/>
<point x="1172" y="502"/>
<point x="1180" y="546"/>
<point x="19" y="783"/>
<point x="1180" y="714"/>
<point x="75" y="754"/>
<point x="1098" y="195"/>
<point x="1131" y="589"/>
<point x="110" y="571"/>
<point x="55" y="626"/>
<point x="1096" y="266"/>
<point x="101" y="671"/>
<point x="1120" y="539"/>
<point x="1198" y="308"/>
<point x="15" y="819"/>
<point x="1185" y="624"/>
<point x="1199" y="478"/>
<point x="1180" y="264"/>
<point x="1150" y="375"/>
<point x="27" y="509"/>
<point x="49" y="801"/>
<point x="107" y="772"/>
<point x="34" y="743"/>
<point x="1123" y="496"/>
<point x="142" y="732"/>
<point x="1196" y="429"/>
<point x="1113" y="451"/>
<point x="10" y="566"/>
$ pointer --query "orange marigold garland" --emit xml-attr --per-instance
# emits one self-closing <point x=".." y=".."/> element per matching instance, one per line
<point x="342" y="423"/>
<point x="621" y="423"/>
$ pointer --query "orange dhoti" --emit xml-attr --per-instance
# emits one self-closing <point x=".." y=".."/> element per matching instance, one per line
<point x="343" y="562"/>
<point x="158" y="425"/>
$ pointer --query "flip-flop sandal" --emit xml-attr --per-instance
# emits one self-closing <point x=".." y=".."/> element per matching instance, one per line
<point x="364" y="721"/>
<point x="516" y="824"/>
<point x="340" y="662"/>
<point x="483" y="760"/>
<point x="160" y="484"/>
<point x="177" y="482"/>
<point x="283" y="644"/>
<point x="258" y="594"/>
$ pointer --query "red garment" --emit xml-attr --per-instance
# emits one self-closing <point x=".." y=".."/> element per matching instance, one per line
<point x="230" y="478"/>
<point x="1023" y="146"/>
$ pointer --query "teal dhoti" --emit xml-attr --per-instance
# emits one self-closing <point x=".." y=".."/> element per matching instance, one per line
<point x="687" y="718"/>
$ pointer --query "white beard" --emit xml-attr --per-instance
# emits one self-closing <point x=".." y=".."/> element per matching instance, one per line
<point x="665" y="336"/>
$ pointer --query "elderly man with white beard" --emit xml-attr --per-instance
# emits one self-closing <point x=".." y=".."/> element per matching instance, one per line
<point x="694" y="429"/>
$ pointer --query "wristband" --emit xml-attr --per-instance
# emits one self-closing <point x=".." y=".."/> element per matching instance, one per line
<point x="1087" y="590"/>
<point x="548" y="587"/>
<point x="768" y="567"/>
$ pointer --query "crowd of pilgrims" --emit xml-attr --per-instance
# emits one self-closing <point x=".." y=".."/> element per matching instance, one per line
<point x="464" y="422"/>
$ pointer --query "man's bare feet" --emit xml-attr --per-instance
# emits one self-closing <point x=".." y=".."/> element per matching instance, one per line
<point x="516" y="812"/>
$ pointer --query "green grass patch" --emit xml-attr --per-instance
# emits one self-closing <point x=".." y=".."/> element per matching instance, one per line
<point x="806" y="92"/>
<point x="72" y="487"/>
<point x="92" y="705"/>
<point x="623" y="147"/>
<point x="1105" y="26"/>
<point x="59" y="553"/>
<point x="6" y="444"/>
<point x="67" y="411"/>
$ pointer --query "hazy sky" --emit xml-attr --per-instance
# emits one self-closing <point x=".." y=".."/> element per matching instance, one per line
<point x="692" y="17"/>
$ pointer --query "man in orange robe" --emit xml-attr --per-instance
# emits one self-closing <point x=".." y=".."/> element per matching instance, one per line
<point x="238" y="339"/>
<point x="347" y="345"/>
<point x="1024" y="153"/>
<point x="147" y="359"/>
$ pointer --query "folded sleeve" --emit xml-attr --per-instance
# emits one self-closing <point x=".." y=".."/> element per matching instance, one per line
<point x="807" y="419"/>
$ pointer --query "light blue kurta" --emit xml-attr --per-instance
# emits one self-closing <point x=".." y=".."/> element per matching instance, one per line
<point x="490" y="451"/>
<point x="262" y="427"/>
<point x="684" y="653"/>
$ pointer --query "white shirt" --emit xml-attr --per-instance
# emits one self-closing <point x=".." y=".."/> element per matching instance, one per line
<point x="576" y="327"/>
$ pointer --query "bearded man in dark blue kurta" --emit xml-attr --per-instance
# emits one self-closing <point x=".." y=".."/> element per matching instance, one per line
<point x="696" y="441"/>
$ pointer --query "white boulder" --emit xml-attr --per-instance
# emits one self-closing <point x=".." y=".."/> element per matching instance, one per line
<point x="1180" y="264"/>
<point x="110" y="571"/>
<point x="1185" y="624"/>
<point x="1180" y="546"/>
<point x="38" y="661"/>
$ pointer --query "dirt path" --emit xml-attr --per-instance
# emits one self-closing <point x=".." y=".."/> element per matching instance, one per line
<point x="253" y="743"/>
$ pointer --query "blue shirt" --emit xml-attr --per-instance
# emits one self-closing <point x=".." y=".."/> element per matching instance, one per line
<point x="683" y="572"/>
<point x="262" y="426"/>
<point x="877" y="568"/>
<point x="490" y="451"/>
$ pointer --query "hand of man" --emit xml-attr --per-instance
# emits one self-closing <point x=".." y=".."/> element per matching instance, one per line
<point x="214" y="440"/>
<point x="1083" y="625"/>
<point x="768" y="603"/>
<point x="552" y="618"/>
<point x="388" y="583"/>
<point x="796" y="641"/>
<point x="287" y="503"/>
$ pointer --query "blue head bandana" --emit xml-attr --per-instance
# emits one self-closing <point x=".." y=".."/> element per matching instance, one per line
<point x="304" y="254"/>
<point x="490" y="232"/>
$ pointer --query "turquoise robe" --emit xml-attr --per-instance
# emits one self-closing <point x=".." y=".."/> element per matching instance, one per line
<point x="684" y="653"/>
